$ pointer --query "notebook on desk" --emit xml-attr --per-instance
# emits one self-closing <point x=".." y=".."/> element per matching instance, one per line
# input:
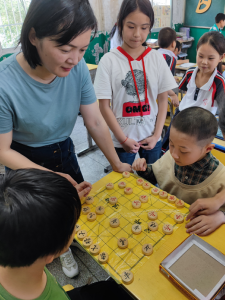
<point x="187" y="65"/>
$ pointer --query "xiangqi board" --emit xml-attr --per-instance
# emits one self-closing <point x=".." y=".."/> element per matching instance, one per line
<point x="100" y="231"/>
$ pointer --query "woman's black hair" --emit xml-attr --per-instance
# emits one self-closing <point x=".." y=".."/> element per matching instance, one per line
<point x="62" y="20"/>
<point x="129" y="6"/>
<point x="216" y="40"/>
<point x="38" y="213"/>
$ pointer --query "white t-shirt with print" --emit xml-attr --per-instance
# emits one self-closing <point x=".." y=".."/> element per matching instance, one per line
<point x="114" y="81"/>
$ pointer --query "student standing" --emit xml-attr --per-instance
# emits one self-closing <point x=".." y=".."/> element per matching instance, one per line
<point x="204" y="83"/>
<point x="167" y="43"/>
<point x="42" y="90"/>
<point x="220" y="23"/>
<point x="128" y="82"/>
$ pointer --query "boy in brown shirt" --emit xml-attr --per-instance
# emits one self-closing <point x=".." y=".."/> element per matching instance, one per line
<point x="189" y="170"/>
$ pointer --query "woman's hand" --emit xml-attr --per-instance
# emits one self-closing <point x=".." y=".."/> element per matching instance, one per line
<point x="131" y="146"/>
<point x="122" y="167"/>
<point x="149" y="142"/>
<point x="139" y="164"/>
<point x="83" y="189"/>
<point x="204" y="225"/>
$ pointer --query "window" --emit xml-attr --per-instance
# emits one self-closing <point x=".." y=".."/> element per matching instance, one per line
<point x="12" y="14"/>
<point x="162" y="10"/>
<point x="161" y="2"/>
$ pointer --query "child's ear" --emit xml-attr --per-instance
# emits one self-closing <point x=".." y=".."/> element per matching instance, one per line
<point x="173" y="45"/>
<point x="209" y="148"/>
<point x="222" y="57"/>
<point x="49" y="259"/>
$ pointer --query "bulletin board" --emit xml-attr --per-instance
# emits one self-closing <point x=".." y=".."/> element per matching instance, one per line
<point x="162" y="16"/>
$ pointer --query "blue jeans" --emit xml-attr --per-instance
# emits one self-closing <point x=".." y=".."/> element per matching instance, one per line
<point x="58" y="157"/>
<point x="165" y="142"/>
<point x="151" y="156"/>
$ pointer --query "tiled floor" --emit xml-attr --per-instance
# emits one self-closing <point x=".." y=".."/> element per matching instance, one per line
<point x="92" y="166"/>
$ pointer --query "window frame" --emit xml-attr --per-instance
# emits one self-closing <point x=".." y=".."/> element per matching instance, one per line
<point x="25" y="4"/>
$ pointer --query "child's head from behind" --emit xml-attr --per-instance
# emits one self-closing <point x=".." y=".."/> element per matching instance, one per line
<point x="220" y="19"/>
<point x="191" y="135"/>
<point x="38" y="213"/>
<point x="210" y="52"/>
<point x="178" y="48"/>
<point x="167" y="38"/>
<point x="135" y="21"/>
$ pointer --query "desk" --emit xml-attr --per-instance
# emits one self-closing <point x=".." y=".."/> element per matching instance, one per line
<point x="220" y="143"/>
<point x="149" y="283"/>
<point x="91" y="147"/>
<point x="152" y="46"/>
<point x="178" y="67"/>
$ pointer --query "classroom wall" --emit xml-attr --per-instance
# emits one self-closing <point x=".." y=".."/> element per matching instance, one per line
<point x="196" y="33"/>
<point x="206" y="19"/>
<point x="183" y="14"/>
<point x="101" y="45"/>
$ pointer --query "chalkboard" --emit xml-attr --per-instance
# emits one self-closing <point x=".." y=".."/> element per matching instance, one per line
<point x="206" y="19"/>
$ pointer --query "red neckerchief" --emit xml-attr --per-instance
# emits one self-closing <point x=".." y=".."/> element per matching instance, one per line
<point x="141" y="57"/>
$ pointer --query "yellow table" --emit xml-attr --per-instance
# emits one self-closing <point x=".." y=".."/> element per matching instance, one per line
<point x="149" y="283"/>
<point x="220" y="143"/>
<point x="92" y="67"/>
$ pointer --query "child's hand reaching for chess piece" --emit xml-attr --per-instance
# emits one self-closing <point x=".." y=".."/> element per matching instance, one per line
<point x="139" y="165"/>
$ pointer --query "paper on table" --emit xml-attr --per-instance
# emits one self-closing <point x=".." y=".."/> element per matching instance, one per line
<point x="187" y="65"/>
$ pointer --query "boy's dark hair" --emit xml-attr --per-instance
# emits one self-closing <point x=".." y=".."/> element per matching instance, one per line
<point x="178" y="45"/>
<point x="197" y="122"/>
<point x="221" y="103"/>
<point x="62" y="20"/>
<point x="216" y="40"/>
<point x="219" y="17"/>
<point x="166" y="37"/>
<point x="38" y="212"/>
<point x="129" y="6"/>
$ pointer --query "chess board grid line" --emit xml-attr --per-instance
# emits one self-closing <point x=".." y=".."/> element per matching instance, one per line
<point x="130" y="235"/>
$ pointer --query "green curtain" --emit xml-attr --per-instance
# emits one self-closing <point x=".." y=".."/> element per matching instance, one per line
<point x="97" y="48"/>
